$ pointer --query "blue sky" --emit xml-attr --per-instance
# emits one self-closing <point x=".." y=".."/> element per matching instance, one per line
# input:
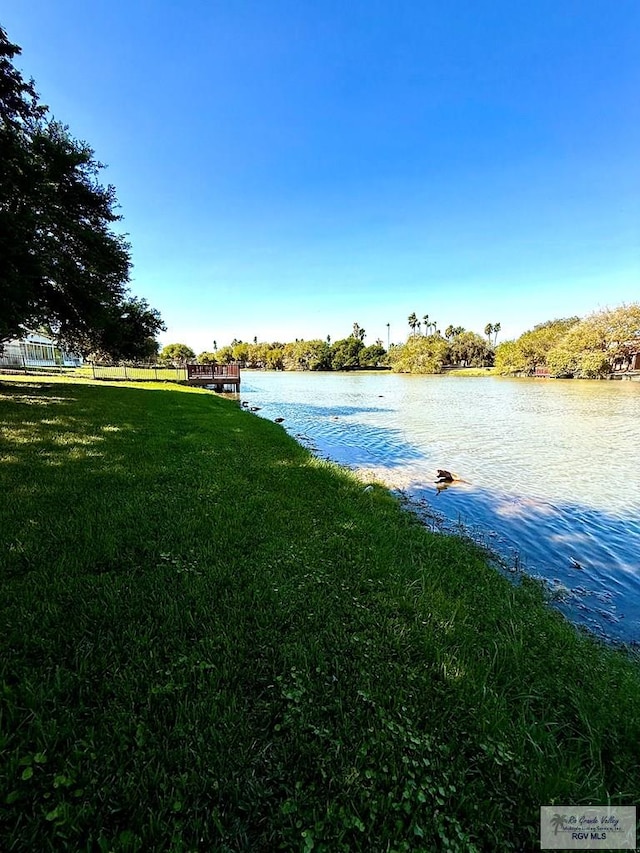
<point x="286" y="168"/>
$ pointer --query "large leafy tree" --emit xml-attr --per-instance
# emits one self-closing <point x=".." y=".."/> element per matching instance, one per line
<point x="470" y="350"/>
<point x="177" y="354"/>
<point x="345" y="354"/>
<point x="61" y="264"/>
<point x="420" y="354"/>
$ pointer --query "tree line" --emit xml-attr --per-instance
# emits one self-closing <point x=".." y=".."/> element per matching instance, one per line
<point x="588" y="348"/>
<point x="63" y="269"/>
<point x="428" y="353"/>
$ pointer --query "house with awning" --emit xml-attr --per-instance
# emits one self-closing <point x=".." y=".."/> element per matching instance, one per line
<point x="36" y="350"/>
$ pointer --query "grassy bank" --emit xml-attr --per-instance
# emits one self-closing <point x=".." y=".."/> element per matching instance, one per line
<point x="212" y="641"/>
<point x="470" y="371"/>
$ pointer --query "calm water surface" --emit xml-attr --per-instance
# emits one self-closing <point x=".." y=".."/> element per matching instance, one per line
<point x="551" y="468"/>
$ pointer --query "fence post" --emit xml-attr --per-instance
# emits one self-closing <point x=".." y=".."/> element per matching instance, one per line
<point x="93" y="369"/>
<point x="125" y="372"/>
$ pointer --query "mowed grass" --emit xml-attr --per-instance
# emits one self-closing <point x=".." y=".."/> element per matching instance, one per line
<point x="211" y="640"/>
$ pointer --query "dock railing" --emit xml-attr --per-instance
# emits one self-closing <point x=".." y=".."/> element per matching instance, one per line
<point x="213" y="372"/>
<point x="217" y="375"/>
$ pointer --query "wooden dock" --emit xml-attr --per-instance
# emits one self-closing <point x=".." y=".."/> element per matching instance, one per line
<point x="218" y="375"/>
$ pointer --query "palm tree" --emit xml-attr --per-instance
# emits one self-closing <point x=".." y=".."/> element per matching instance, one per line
<point x="496" y="329"/>
<point x="426" y="324"/>
<point x="488" y="329"/>
<point x="449" y="332"/>
<point x="413" y="322"/>
<point x="557" y="820"/>
<point x="388" y="334"/>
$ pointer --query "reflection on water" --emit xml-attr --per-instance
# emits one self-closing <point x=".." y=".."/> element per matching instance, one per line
<point x="551" y="468"/>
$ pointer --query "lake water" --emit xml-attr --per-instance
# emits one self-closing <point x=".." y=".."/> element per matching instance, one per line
<point x="551" y="468"/>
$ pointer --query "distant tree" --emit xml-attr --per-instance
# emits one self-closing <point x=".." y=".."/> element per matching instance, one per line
<point x="413" y="322"/>
<point x="372" y="356"/>
<point x="274" y="357"/>
<point x="589" y="348"/>
<point x="509" y="359"/>
<point x="496" y="329"/>
<point x="307" y="355"/>
<point x="207" y="358"/>
<point x="488" y="329"/>
<point x="448" y="332"/>
<point x="345" y="354"/>
<point x="176" y="354"/>
<point x="419" y="355"/>
<point x="427" y="324"/>
<point x="358" y="333"/>
<point x="215" y="345"/>
<point x="531" y="350"/>
<point x="225" y="354"/>
<point x="536" y="344"/>
<point x="470" y="350"/>
<point x="62" y="266"/>
<point x="240" y="352"/>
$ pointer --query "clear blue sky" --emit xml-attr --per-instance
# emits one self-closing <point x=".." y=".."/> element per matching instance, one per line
<point x="287" y="168"/>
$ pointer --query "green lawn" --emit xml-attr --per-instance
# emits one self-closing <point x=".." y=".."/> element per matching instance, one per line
<point x="212" y="641"/>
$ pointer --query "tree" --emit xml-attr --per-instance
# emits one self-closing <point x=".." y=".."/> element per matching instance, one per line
<point x="240" y="353"/>
<point x="128" y="334"/>
<point x="419" y="355"/>
<point x="373" y="355"/>
<point x="427" y="324"/>
<point x="345" y="354"/>
<point x="589" y="348"/>
<point x="207" y="358"/>
<point x="496" y="329"/>
<point x="470" y="350"/>
<point x="225" y="354"/>
<point x="274" y="357"/>
<point x="488" y="329"/>
<point x="307" y="355"/>
<point x="413" y="322"/>
<point x="177" y="354"/>
<point x="358" y="332"/>
<point x="63" y="266"/>
<point x="509" y="358"/>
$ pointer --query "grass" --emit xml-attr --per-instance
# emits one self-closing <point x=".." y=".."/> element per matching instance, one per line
<point x="470" y="371"/>
<point x="211" y="640"/>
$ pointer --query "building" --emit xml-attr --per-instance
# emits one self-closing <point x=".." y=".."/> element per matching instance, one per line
<point x="628" y="363"/>
<point x="36" y="350"/>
